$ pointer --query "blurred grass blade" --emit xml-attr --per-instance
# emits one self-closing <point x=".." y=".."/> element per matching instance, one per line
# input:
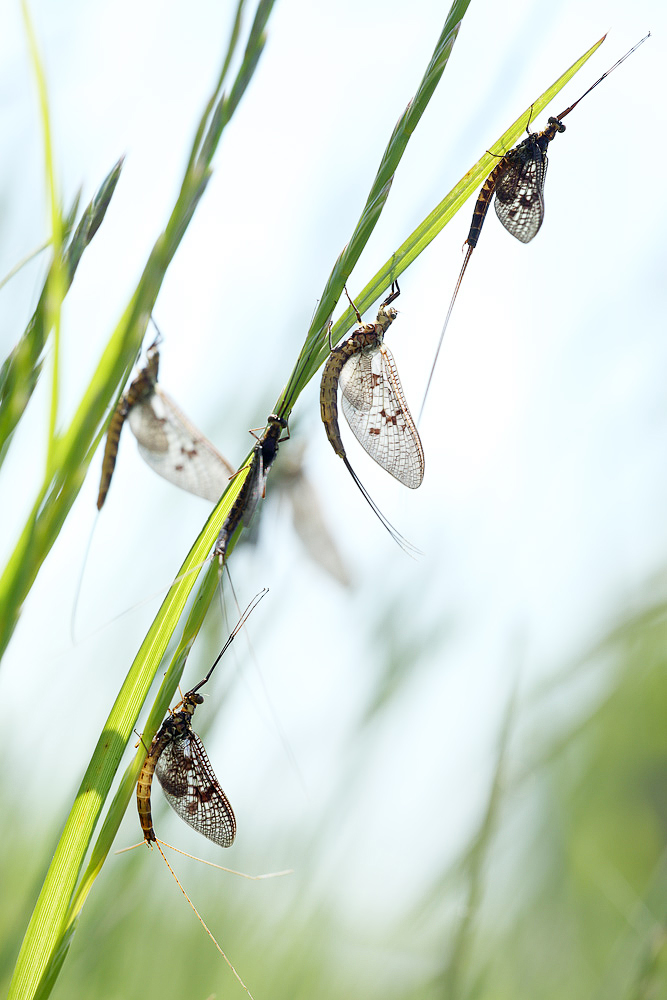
<point x="21" y="369"/>
<point x="452" y="980"/>
<point x="55" y="282"/>
<point x="92" y="219"/>
<point x="13" y="271"/>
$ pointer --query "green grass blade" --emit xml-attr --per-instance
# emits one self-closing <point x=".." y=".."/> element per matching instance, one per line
<point x="55" y="286"/>
<point x="13" y="271"/>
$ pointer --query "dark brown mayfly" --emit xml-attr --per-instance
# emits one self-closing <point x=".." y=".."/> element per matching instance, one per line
<point x="254" y="484"/>
<point x="178" y="758"/>
<point x="373" y="403"/>
<point x="257" y="469"/>
<point x="167" y="441"/>
<point x="518" y="183"/>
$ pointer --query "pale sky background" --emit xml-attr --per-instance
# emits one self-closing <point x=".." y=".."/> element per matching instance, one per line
<point x="542" y="512"/>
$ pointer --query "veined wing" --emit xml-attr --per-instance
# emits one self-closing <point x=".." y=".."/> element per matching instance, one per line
<point x="519" y="191"/>
<point x="376" y="410"/>
<point x="193" y="791"/>
<point x="176" y="450"/>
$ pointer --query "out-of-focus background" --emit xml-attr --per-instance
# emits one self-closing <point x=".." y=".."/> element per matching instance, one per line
<point x="463" y="757"/>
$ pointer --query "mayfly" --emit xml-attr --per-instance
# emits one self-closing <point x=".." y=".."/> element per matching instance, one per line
<point x="254" y="484"/>
<point x="373" y="403"/>
<point x="167" y="441"/>
<point x="518" y="183"/>
<point x="178" y="757"/>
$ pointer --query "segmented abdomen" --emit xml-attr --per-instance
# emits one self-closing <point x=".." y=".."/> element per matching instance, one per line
<point x="484" y="200"/>
<point x="111" y="450"/>
<point x="364" y="338"/>
<point x="145" y="782"/>
<point x="142" y="388"/>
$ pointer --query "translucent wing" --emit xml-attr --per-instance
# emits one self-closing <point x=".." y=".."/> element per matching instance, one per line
<point x="519" y="192"/>
<point x="176" y="450"/>
<point x="192" y="789"/>
<point x="375" y="408"/>
<point x="308" y="518"/>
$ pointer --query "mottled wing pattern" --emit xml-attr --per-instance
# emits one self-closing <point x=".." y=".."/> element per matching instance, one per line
<point x="176" y="450"/>
<point x="375" y="408"/>
<point x="192" y="789"/>
<point x="519" y="192"/>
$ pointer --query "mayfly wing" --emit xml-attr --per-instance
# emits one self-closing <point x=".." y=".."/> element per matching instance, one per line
<point x="193" y="791"/>
<point x="175" y="449"/>
<point x="375" y="408"/>
<point x="308" y="517"/>
<point x="168" y="442"/>
<point x="519" y="201"/>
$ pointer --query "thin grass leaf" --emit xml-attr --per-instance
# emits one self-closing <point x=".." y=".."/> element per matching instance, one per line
<point x="13" y="271"/>
<point x="451" y="980"/>
<point x="21" y="369"/>
<point x="55" y="285"/>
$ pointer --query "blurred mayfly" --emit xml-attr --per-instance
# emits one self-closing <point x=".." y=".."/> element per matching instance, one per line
<point x="373" y="403"/>
<point x="167" y="441"/>
<point x="254" y="484"/>
<point x="518" y="183"/>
